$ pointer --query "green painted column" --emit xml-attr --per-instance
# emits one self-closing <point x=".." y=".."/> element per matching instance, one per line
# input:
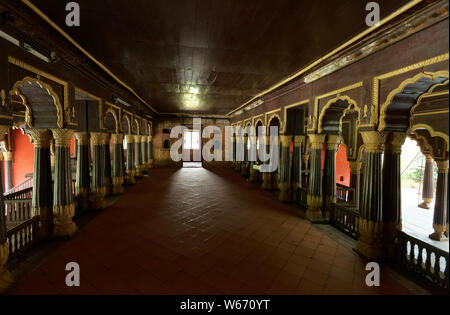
<point x="6" y="279"/>
<point x="137" y="155"/>
<point x="315" y="198"/>
<point x="107" y="163"/>
<point x="296" y="174"/>
<point x="42" y="200"/>
<point x="130" y="171"/>
<point x="440" y="217"/>
<point x="392" y="191"/>
<point x="427" y="188"/>
<point x="266" y="176"/>
<point x="285" y="169"/>
<point x="144" y="150"/>
<point x="117" y="164"/>
<point x="63" y="202"/>
<point x="239" y="154"/>
<point x="98" y="184"/>
<point x="370" y="242"/>
<point x="253" y="174"/>
<point x="245" y="168"/>
<point x="329" y="175"/>
<point x="150" y="152"/>
<point x="83" y="177"/>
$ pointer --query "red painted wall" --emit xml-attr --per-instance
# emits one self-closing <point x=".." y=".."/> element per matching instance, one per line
<point x="342" y="165"/>
<point x="23" y="156"/>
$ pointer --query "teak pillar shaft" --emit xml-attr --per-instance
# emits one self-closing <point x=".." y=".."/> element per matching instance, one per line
<point x="370" y="242"/>
<point x="355" y="181"/>
<point x="314" y="199"/>
<point x="83" y="179"/>
<point x="253" y="174"/>
<point x="98" y="185"/>
<point x="440" y="217"/>
<point x="392" y="190"/>
<point x="329" y="191"/>
<point x="145" y="164"/>
<point x="106" y="160"/>
<point x="150" y="152"/>
<point x="6" y="279"/>
<point x="427" y="189"/>
<point x="296" y="174"/>
<point x="8" y="158"/>
<point x="239" y="153"/>
<point x="42" y="198"/>
<point x="117" y="165"/>
<point x="245" y="163"/>
<point x="63" y="203"/>
<point x="130" y="171"/>
<point x="137" y="155"/>
<point x="266" y="176"/>
<point x="285" y="170"/>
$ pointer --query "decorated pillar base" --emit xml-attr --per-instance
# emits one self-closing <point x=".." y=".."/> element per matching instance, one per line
<point x="245" y="170"/>
<point x="6" y="278"/>
<point x="139" y="172"/>
<point x="45" y="221"/>
<point x="130" y="177"/>
<point x="285" y="192"/>
<point x="253" y="177"/>
<point x="98" y="198"/>
<point x="314" y="211"/>
<point x="390" y="233"/>
<point x="64" y="225"/>
<point x="83" y="195"/>
<point x="439" y="234"/>
<point x="370" y="242"/>
<point x="117" y="188"/>
<point x="266" y="181"/>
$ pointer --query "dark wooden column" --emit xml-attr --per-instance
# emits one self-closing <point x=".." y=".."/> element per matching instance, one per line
<point x="6" y="279"/>
<point x="266" y="176"/>
<point x="440" y="218"/>
<point x="137" y="155"/>
<point x="392" y="191"/>
<point x="296" y="174"/>
<point x="8" y="157"/>
<point x="150" y="152"/>
<point x="117" y="164"/>
<point x="239" y="153"/>
<point x="107" y="163"/>
<point x="427" y="189"/>
<point x="253" y="174"/>
<point x="329" y="175"/>
<point x="130" y="171"/>
<point x="63" y="202"/>
<point x="98" y="184"/>
<point x="245" y="168"/>
<point x="355" y="181"/>
<point x="285" y="169"/>
<point x="314" y="200"/>
<point x="83" y="179"/>
<point x="145" y="164"/>
<point x="42" y="199"/>
<point x="370" y="242"/>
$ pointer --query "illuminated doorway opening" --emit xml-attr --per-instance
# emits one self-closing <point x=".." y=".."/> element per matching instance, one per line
<point x="192" y="153"/>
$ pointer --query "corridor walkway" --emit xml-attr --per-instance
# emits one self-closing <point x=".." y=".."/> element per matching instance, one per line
<point x="196" y="231"/>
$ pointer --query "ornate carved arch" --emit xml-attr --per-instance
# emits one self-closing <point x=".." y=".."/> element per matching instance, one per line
<point x="343" y="98"/>
<point x="116" y="119"/>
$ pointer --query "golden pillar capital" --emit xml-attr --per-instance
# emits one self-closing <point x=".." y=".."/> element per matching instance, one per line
<point x="98" y="138"/>
<point x="298" y="140"/>
<point x="285" y="140"/>
<point x="129" y="138"/>
<point x="394" y="142"/>
<point x="316" y="141"/>
<point x="117" y="138"/>
<point x="428" y="157"/>
<point x="333" y="142"/>
<point x="442" y="166"/>
<point x="82" y="138"/>
<point x="355" y="167"/>
<point x="137" y="138"/>
<point x="150" y="138"/>
<point x="8" y="155"/>
<point x="373" y="141"/>
<point x="41" y="138"/>
<point x="62" y="137"/>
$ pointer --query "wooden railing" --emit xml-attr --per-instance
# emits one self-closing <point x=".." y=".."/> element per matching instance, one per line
<point x="344" y="194"/>
<point x="345" y="218"/>
<point x="26" y="185"/>
<point x="23" y="237"/>
<point x="423" y="259"/>
<point x="21" y="194"/>
<point x="17" y="210"/>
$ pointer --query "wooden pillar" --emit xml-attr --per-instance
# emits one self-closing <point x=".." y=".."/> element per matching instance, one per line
<point x="314" y="200"/>
<point x="245" y="164"/>
<point x="150" y="152"/>
<point x="144" y="152"/>
<point x="106" y="158"/>
<point x="440" y="218"/>
<point x="42" y="198"/>
<point x="98" y="184"/>
<point x="266" y="176"/>
<point x="117" y="165"/>
<point x="83" y="179"/>
<point x="427" y="188"/>
<point x="8" y="158"/>
<point x="370" y="242"/>
<point x="63" y="203"/>
<point x="355" y="181"/>
<point x="239" y="153"/>
<point x="6" y="279"/>
<point x="329" y="175"/>
<point x="137" y="155"/>
<point x="285" y="169"/>
<point x="392" y="191"/>
<point x="130" y="171"/>
<point x="253" y="174"/>
<point x="296" y="174"/>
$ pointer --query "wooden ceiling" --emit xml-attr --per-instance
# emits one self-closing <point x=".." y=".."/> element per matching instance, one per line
<point x="210" y="56"/>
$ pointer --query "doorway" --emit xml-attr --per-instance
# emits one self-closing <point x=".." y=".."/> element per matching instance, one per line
<point x="192" y="153"/>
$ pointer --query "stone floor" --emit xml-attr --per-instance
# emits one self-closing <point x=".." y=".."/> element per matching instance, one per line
<point x="196" y="231"/>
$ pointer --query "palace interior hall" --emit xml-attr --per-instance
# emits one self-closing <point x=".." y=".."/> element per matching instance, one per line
<point x="232" y="147"/>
